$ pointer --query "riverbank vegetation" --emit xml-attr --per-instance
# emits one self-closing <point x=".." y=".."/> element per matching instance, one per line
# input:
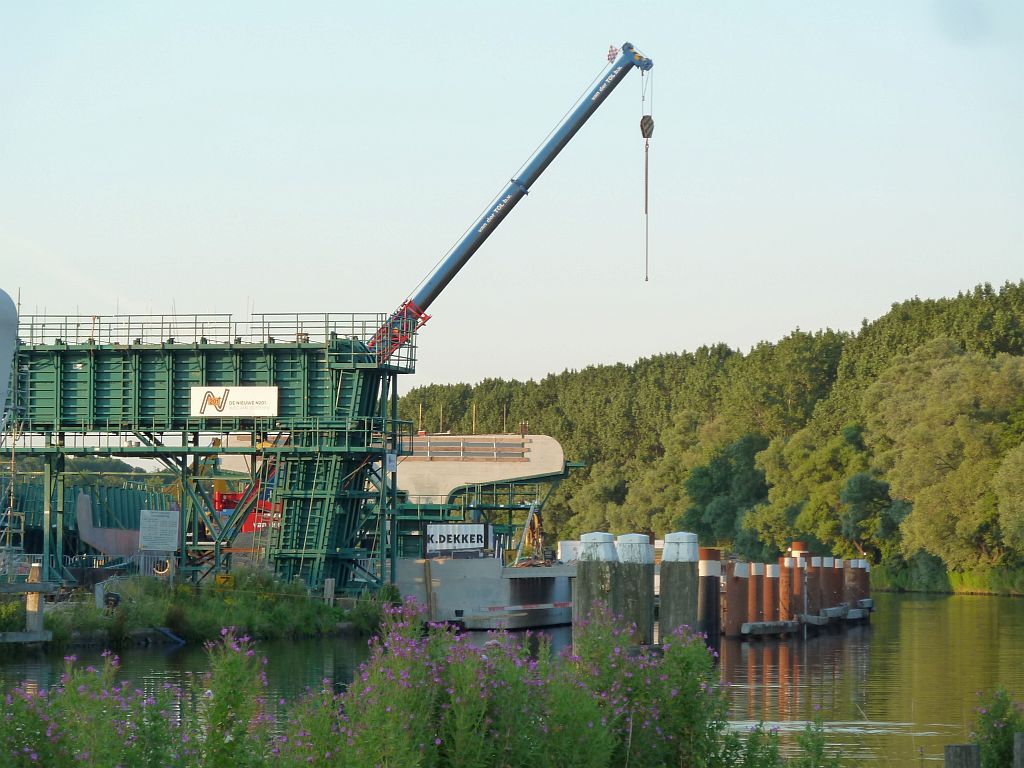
<point x="423" y="699"/>
<point x="902" y="442"/>
<point x="255" y="602"/>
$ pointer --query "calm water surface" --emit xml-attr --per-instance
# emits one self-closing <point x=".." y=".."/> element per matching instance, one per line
<point x="892" y="693"/>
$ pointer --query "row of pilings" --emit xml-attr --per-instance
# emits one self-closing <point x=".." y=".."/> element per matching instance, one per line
<point x="700" y="591"/>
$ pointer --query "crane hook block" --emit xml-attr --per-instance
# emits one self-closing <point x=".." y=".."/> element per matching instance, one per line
<point x="647" y="126"/>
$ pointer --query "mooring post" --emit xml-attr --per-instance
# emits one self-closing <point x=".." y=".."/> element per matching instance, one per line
<point x="962" y="756"/>
<point x="770" y="590"/>
<point x="828" y="581"/>
<point x="850" y="583"/>
<point x="755" y="593"/>
<point x="786" y="588"/>
<point x="814" y="586"/>
<point x="633" y="585"/>
<point x="1018" y="750"/>
<point x="737" y="587"/>
<point x="34" y="601"/>
<point x="594" y="575"/>
<point x="837" y="583"/>
<point x="709" y="591"/>
<point x="679" y="577"/>
<point x="329" y="591"/>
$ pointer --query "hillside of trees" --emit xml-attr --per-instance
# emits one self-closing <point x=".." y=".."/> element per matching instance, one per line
<point x="900" y="441"/>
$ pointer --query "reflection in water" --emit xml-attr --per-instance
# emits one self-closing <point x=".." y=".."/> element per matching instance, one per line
<point x="892" y="693"/>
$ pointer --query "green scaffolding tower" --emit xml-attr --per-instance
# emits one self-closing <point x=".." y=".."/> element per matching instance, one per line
<point x="128" y="386"/>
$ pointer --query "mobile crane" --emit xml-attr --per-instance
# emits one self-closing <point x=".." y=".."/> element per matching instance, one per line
<point x="411" y="315"/>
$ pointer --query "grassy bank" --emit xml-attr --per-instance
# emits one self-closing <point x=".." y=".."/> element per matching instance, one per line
<point x="256" y="603"/>
<point x="924" y="573"/>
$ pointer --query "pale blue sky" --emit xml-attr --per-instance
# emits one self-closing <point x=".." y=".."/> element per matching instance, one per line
<point x="812" y="163"/>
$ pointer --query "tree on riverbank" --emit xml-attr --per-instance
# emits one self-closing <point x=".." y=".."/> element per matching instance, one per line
<point x="903" y="438"/>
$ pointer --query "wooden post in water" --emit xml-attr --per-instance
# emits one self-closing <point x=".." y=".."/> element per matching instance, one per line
<point x="814" y="579"/>
<point x="786" y="589"/>
<point x="755" y="593"/>
<point x="865" y="580"/>
<point x="633" y="585"/>
<point x="709" y="601"/>
<point x="850" y="583"/>
<point x="34" y="600"/>
<point x="832" y="582"/>
<point x="737" y="585"/>
<point x="594" y="567"/>
<point x="962" y="756"/>
<point x="770" y="593"/>
<point x="679" y="583"/>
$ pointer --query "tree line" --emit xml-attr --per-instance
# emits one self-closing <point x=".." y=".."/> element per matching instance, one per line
<point x="903" y="439"/>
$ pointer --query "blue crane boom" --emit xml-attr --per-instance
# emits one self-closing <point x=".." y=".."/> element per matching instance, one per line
<point x="411" y="315"/>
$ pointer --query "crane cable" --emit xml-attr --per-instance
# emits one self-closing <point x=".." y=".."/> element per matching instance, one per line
<point x="646" y="131"/>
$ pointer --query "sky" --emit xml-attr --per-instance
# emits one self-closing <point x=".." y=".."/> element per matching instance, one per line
<point x="812" y="163"/>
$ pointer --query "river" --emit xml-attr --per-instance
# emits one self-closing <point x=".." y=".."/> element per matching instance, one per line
<point x="891" y="693"/>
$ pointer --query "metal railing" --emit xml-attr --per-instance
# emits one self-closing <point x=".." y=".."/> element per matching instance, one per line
<point x="269" y="328"/>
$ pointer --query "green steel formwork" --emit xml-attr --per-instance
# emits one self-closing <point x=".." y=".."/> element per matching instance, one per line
<point x="121" y="386"/>
<point x="111" y="507"/>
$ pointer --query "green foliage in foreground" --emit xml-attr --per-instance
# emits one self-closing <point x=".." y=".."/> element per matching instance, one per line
<point x="430" y="700"/>
<point x="257" y="604"/>
<point x="998" y="718"/>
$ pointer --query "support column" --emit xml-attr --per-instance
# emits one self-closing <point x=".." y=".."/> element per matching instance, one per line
<point x="679" y="582"/>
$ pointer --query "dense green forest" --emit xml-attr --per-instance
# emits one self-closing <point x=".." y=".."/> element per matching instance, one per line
<point x="900" y="442"/>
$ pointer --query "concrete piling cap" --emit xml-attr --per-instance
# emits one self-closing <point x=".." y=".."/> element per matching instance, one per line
<point x="710" y="562"/>
<point x="680" y="547"/>
<point x="816" y="562"/>
<point x="598" y="547"/>
<point x="635" y="548"/>
<point x="839" y="563"/>
<point x="771" y="570"/>
<point x="741" y="570"/>
<point x="827" y="562"/>
<point x="757" y="569"/>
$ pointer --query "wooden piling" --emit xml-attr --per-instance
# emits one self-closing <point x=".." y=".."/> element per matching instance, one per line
<point x="633" y="585"/>
<point x="755" y="593"/>
<point x="785" y="589"/>
<point x="679" y="583"/>
<point x="709" y="616"/>
<point x="850" y="583"/>
<point x="1018" y="750"/>
<point x="835" y="583"/>
<point x="962" y="756"/>
<point x="34" y="600"/>
<point x="597" y="558"/>
<point x="814" y="580"/>
<point x="770" y="593"/>
<point x="737" y="578"/>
